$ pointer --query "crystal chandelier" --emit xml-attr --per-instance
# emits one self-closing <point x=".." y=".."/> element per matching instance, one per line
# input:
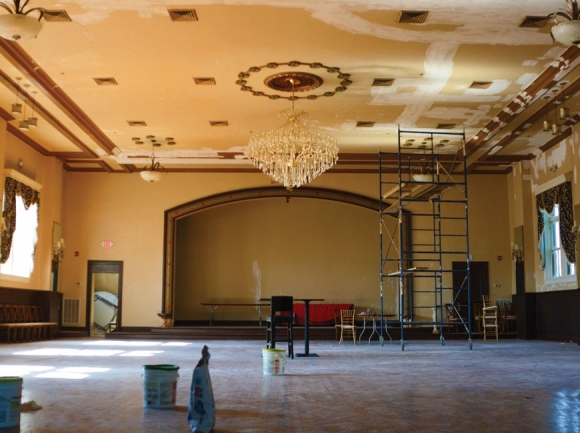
<point x="293" y="155"/>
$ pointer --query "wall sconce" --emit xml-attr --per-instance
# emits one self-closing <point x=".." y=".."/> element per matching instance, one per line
<point x="517" y="254"/>
<point x="58" y="251"/>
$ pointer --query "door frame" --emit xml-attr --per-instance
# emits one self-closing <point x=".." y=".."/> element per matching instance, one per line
<point x="103" y="267"/>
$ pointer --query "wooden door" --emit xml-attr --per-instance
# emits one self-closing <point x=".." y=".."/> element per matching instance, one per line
<point x="479" y="285"/>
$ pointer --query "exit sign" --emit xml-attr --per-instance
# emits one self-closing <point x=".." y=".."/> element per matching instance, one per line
<point x="107" y="244"/>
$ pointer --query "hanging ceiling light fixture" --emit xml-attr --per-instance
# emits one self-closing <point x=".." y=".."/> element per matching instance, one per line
<point x="566" y="32"/>
<point x="293" y="155"/>
<point x="32" y="121"/>
<point x="556" y="127"/>
<point x="547" y="122"/>
<point x="564" y="111"/>
<point x="155" y="171"/>
<point x="17" y="24"/>
<point x="23" y="122"/>
<point x="17" y="106"/>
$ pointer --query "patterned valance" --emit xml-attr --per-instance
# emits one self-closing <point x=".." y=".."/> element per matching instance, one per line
<point x="12" y="188"/>
<point x="561" y="195"/>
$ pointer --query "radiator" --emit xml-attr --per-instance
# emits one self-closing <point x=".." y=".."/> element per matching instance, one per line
<point x="71" y="311"/>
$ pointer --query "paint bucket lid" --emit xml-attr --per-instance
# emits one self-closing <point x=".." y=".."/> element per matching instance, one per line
<point x="162" y="367"/>
<point x="273" y="350"/>
<point x="10" y="379"/>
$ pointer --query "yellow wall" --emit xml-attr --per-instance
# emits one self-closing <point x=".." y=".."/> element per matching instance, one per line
<point x="259" y="248"/>
<point x="93" y="207"/>
<point x="48" y="172"/>
<point x="130" y="212"/>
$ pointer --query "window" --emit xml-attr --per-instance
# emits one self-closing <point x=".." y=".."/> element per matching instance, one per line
<point x="20" y="213"/>
<point x="20" y="262"/>
<point x="557" y="265"/>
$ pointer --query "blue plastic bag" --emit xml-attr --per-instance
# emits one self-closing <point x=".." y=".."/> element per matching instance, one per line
<point x="201" y="410"/>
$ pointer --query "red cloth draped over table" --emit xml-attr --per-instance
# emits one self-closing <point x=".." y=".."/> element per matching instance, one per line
<point x="320" y="314"/>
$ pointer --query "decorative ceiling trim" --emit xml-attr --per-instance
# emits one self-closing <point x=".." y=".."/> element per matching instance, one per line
<point x="44" y="114"/>
<point x="521" y="100"/>
<point x="26" y="139"/>
<point x="33" y="72"/>
<point x="344" y="83"/>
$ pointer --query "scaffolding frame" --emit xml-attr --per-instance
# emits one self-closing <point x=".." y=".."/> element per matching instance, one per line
<point x="432" y="181"/>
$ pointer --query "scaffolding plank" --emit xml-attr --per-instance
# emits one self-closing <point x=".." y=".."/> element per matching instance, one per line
<point x="409" y="271"/>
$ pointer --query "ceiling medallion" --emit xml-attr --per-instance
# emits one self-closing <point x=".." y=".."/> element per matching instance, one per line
<point x="294" y="81"/>
<point x="300" y="81"/>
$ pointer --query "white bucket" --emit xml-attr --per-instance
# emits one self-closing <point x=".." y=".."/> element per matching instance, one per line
<point x="10" y="397"/>
<point x="274" y="361"/>
<point x="160" y="386"/>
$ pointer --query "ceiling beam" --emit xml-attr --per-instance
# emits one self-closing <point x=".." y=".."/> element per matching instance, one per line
<point x="34" y="73"/>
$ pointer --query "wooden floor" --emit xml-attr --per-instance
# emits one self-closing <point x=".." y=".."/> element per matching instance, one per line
<point x="94" y="385"/>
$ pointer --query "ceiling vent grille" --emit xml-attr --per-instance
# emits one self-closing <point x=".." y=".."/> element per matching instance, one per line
<point x="218" y="122"/>
<point x="412" y="17"/>
<point x="480" y="84"/>
<point x="56" y="16"/>
<point x="136" y="123"/>
<point x="204" y="81"/>
<point x="534" y="22"/>
<point x="383" y="81"/>
<point x="365" y="124"/>
<point x="182" y="14"/>
<point x="446" y="126"/>
<point x="106" y="81"/>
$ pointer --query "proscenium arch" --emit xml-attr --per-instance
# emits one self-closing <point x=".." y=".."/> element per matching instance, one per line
<point x="187" y="209"/>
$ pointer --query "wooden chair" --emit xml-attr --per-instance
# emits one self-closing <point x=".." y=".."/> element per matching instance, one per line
<point x="489" y="315"/>
<point x="507" y="316"/>
<point x="282" y="313"/>
<point x="347" y="325"/>
<point x="336" y="323"/>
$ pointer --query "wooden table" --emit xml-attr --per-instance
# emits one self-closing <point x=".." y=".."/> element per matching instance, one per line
<point x="215" y="305"/>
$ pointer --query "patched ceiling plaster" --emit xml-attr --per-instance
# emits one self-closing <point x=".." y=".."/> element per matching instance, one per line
<point x="153" y="62"/>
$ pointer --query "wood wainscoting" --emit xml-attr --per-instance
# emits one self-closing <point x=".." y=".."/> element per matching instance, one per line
<point x="549" y="315"/>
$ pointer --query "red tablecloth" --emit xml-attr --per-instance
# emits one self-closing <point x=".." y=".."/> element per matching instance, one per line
<point x="320" y="314"/>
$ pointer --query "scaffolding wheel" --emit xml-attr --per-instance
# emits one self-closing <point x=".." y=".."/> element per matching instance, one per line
<point x="470" y="344"/>
<point x="442" y="340"/>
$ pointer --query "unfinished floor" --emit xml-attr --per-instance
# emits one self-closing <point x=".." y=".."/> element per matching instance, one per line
<point x="94" y="385"/>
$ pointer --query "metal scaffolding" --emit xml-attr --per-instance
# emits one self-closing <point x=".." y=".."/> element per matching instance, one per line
<point x="425" y="254"/>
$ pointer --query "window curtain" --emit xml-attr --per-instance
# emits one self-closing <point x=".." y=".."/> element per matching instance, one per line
<point x="561" y="195"/>
<point x="12" y="188"/>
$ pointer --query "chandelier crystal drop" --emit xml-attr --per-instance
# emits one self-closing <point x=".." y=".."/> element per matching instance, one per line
<point x="293" y="155"/>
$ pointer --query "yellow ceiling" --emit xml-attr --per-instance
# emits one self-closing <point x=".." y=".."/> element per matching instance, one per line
<point x="154" y="61"/>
